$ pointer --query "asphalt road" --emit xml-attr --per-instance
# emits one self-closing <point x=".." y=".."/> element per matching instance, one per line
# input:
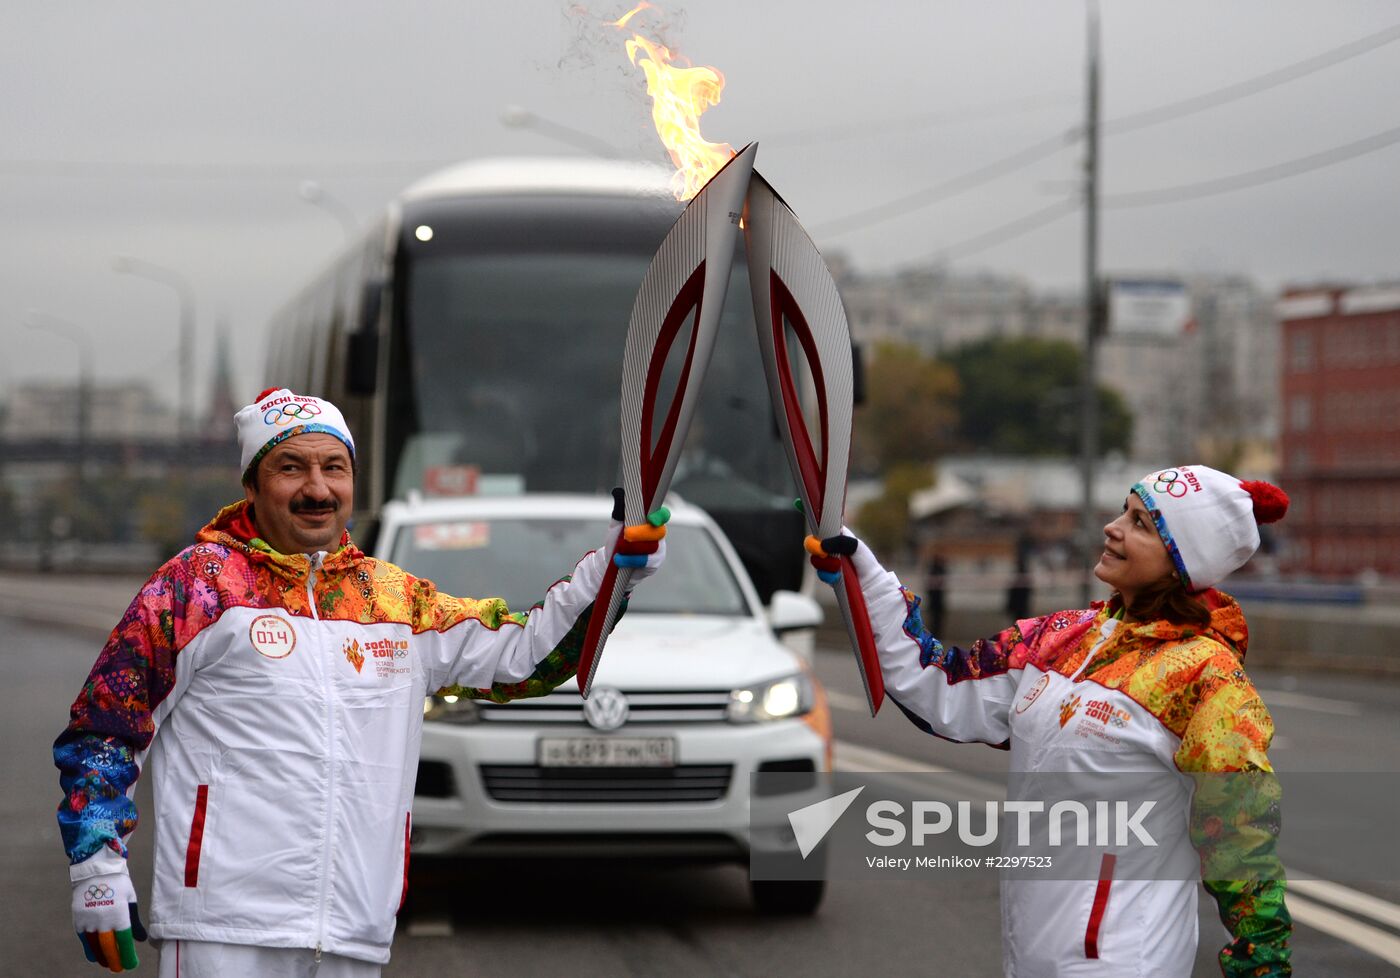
<point x="611" y="919"/>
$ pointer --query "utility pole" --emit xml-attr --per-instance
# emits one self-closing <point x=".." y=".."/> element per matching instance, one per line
<point x="1089" y="531"/>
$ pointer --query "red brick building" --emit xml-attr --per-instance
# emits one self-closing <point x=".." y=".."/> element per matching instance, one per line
<point x="1340" y="430"/>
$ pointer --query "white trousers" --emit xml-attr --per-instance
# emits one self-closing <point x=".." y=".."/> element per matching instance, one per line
<point x="200" y="959"/>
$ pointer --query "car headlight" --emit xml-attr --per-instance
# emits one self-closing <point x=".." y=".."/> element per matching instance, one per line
<point x="790" y="696"/>
<point x="451" y="709"/>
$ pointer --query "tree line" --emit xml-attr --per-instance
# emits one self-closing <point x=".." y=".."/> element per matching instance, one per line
<point x="994" y="396"/>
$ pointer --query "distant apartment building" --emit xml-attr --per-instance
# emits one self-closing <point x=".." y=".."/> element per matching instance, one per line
<point x="1210" y="392"/>
<point x="1340" y="438"/>
<point x="1202" y="394"/>
<point x="128" y="410"/>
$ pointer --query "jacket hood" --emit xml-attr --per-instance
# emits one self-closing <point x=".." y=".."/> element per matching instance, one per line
<point x="1227" y="625"/>
<point x="233" y="527"/>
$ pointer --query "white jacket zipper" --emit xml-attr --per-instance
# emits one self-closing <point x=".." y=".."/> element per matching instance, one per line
<point x="328" y="682"/>
<point x="1106" y="632"/>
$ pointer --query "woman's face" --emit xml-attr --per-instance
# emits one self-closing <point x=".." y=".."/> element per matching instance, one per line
<point x="1134" y="555"/>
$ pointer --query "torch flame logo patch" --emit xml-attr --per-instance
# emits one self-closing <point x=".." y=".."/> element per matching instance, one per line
<point x="1068" y="709"/>
<point x="353" y="655"/>
<point x="680" y="94"/>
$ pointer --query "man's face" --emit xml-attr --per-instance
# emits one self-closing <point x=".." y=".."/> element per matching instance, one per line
<point x="306" y="490"/>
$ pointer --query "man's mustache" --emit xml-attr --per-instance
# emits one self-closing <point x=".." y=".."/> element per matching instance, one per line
<point x="302" y="505"/>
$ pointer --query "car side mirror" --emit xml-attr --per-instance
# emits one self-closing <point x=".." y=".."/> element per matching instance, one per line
<point x="789" y="611"/>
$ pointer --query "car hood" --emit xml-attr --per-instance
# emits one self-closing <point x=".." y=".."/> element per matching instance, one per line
<point x="694" y="653"/>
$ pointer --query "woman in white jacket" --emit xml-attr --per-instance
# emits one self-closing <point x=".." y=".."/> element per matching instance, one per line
<point x="1149" y="680"/>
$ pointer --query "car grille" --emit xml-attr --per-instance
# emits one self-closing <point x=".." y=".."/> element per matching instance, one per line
<point x="695" y="706"/>
<point x="604" y="785"/>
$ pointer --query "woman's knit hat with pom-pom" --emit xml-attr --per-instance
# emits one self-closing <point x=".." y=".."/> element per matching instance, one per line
<point x="1208" y="520"/>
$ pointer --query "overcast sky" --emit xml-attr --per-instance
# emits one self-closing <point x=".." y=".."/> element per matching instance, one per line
<point x="180" y="132"/>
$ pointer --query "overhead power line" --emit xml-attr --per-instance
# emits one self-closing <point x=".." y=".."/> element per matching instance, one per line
<point x="1251" y="86"/>
<point x="1254" y="178"/>
<point x="1138" y="120"/>
<point x="948" y="188"/>
<point x="1167" y="195"/>
<point x="904" y="125"/>
<point x="1009" y="231"/>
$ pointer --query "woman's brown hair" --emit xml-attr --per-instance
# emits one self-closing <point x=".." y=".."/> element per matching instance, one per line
<point x="1167" y="599"/>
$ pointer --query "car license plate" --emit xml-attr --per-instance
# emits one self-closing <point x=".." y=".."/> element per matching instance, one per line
<point x="607" y="752"/>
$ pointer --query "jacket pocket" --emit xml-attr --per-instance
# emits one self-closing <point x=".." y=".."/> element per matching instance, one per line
<point x="1096" y="912"/>
<point x="201" y="800"/>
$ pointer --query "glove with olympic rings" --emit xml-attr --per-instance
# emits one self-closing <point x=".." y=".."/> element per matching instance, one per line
<point x="106" y="919"/>
<point x="641" y="548"/>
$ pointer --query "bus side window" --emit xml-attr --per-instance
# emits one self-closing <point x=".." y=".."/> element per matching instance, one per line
<point x="362" y="363"/>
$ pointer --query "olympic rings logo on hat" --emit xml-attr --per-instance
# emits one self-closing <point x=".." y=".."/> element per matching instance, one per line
<point x="99" y="891"/>
<point x="1170" y="482"/>
<point x="292" y="412"/>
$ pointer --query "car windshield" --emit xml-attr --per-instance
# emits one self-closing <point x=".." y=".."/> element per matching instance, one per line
<point x="519" y="558"/>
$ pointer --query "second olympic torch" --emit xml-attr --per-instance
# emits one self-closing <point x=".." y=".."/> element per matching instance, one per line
<point x="799" y="315"/>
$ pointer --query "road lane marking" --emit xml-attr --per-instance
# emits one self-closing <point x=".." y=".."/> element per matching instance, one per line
<point x="1345" y="898"/>
<point x="853" y="758"/>
<point x="438" y="925"/>
<point x="845" y="701"/>
<point x="1305" y="701"/>
<point x="1370" y="939"/>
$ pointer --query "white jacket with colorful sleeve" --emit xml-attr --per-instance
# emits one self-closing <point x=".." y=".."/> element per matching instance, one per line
<point x="1078" y="693"/>
<point x="278" y="702"/>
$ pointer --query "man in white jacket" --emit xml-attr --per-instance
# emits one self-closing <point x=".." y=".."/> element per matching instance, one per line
<point x="272" y="676"/>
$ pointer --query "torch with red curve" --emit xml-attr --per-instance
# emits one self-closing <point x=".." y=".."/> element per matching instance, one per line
<point x="690" y="274"/>
<point x="799" y="313"/>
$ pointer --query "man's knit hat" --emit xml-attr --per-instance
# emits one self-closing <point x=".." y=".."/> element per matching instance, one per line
<point x="1208" y="520"/>
<point x="276" y="415"/>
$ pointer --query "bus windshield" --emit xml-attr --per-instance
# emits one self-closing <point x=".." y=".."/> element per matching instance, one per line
<point x="516" y="360"/>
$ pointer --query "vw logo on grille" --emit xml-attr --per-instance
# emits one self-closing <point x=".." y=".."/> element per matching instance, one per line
<point x="606" y="708"/>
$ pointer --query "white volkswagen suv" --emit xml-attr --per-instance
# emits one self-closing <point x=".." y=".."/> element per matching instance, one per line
<point x="694" y="694"/>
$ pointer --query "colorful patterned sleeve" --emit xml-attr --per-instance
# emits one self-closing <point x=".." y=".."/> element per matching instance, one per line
<point x="555" y="668"/>
<point x="958" y="694"/>
<point x="537" y="650"/>
<point x="1235" y="820"/>
<point x="110" y="723"/>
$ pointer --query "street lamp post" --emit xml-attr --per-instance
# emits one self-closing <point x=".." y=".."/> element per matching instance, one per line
<point x="185" y="409"/>
<point x="519" y="117"/>
<point x="1089" y="533"/>
<point x="168" y="276"/>
<point x="313" y="193"/>
<point x="75" y="334"/>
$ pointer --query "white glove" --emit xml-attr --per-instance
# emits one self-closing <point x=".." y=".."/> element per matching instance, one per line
<point x="105" y="917"/>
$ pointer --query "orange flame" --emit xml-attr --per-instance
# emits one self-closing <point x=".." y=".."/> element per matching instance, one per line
<point x="622" y="21"/>
<point x="680" y="95"/>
